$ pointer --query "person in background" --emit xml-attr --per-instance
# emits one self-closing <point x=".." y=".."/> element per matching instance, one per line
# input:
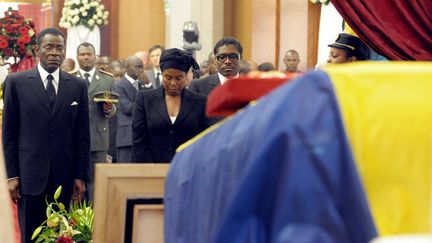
<point x="348" y="48"/>
<point x="144" y="56"/>
<point x="118" y="68"/>
<point x="127" y="87"/>
<point x="204" y="68"/>
<point x="253" y="65"/>
<point x="211" y="64"/>
<point x="170" y="115"/>
<point x="155" y="74"/>
<point x="266" y="67"/>
<point x="68" y="65"/>
<point x="97" y="81"/>
<point x="103" y="63"/>
<point x="228" y="52"/>
<point x="245" y="67"/>
<point x="46" y="134"/>
<point x="291" y="61"/>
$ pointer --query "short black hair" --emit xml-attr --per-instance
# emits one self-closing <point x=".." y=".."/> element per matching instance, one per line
<point x="155" y="47"/>
<point x="52" y="31"/>
<point x="228" y="41"/>
<point x="86" y="44"/>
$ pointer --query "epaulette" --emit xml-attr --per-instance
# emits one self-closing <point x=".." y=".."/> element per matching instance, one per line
<point x="107" y="73"/>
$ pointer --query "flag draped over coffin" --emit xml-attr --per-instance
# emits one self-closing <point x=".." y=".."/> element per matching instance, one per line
<point x="339" y="155"/>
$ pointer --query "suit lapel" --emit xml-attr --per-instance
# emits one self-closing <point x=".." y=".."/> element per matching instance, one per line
<point x="187" y="103"/>
<point x="62" y="92"/>
<point x="158" y="103"/>
<point x="215" y="81"/>
<point x="36" y="85"/>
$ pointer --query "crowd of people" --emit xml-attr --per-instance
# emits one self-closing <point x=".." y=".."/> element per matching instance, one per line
<point x="62" y="117"/>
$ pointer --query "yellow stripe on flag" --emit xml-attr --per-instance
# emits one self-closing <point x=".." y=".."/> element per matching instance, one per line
<point x="387" y="112"/>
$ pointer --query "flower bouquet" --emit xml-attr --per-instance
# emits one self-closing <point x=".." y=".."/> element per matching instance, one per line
<point x="62" y="226"/>
<point x="17" y="36"/>
<point x="89" y="13"/>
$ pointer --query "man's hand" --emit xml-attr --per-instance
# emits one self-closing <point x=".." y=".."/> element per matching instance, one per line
<point x="13" y="186"/>
<point x="107" y="106"/>
<point x="78" y="190"/>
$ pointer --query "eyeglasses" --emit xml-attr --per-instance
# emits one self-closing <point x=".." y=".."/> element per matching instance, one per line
<point x="231" y="57"/>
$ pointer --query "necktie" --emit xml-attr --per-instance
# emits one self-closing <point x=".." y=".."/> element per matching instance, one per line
<point x="158" y="79"/>
<point x="135" y="84"/>
<point x="51" y="91"/>
<point x="87" y="78"/>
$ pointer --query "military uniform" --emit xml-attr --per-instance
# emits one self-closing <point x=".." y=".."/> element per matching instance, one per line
<point x="99" y="128"/>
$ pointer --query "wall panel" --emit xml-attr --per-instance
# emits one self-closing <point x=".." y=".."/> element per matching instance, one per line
<point x="140" y="24"/>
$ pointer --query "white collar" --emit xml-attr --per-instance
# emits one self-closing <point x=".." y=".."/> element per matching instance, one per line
<point x="223" y="79"/>
<point x="129" y="78"/>
<point x="91" y="72"/>
<point x="44" y="74"/>
<point x="156" y="71"/>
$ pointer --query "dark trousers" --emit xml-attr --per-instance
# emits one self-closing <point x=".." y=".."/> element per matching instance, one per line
<point x="31" y="209"/>
<point x="96" y="157"/>
<point x="125" y="154"/>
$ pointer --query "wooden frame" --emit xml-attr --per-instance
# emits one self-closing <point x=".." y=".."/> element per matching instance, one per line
<point x="149" y="218"/>
<point x="114" y="185"/>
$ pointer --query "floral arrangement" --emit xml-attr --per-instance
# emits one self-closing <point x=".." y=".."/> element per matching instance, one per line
<point x="325" y="2"/>
<point x="89" y="13"/>
<point x="17" y="36"/>
<point x="62" y="226"/>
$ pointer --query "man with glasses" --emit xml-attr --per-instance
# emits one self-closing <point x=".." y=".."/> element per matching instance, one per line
<point x="228" y="52"/>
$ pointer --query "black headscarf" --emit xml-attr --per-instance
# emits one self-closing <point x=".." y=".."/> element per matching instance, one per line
<point x="177" y="59"/>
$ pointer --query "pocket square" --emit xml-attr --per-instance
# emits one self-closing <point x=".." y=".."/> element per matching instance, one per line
<point x="74" y="103"/>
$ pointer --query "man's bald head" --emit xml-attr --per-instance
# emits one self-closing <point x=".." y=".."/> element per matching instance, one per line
<point x="134" y="66"/>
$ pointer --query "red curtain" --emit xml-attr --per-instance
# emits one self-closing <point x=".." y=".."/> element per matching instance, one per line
<point x="397" y="29"/>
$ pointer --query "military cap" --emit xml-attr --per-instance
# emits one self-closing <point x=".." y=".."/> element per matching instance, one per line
<point x="106" y="96"/>
<point x="352" y="44"/>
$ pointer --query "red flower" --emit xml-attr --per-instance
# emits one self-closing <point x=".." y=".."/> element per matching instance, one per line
<point x="24" y="39"/>
<point x="23" y="30"/>
<point x="64" y="239"/>
<point x="22" y="50"/>
<point x="15" y="40"/>
<point x="10" y="29"/>
<point x="3" y="44"/>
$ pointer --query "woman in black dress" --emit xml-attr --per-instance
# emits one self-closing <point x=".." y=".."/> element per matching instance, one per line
<point x="170" y="115"/>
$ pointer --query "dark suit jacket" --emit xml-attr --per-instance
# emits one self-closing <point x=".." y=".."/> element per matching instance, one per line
<point x="99" y="127"/>
<point x="126" y="104"/>
<point x="205" y="85"/>
<point x="38" y="141"/>
<point x="155" y="137"/>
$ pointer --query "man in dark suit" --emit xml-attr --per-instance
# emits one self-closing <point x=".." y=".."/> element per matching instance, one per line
<point x="97" y="81"/>
<point x="155" y="74"/>
<point x="228" y="52"/>
<point x="127" y="88"/>
<point x="45" y="133"/>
